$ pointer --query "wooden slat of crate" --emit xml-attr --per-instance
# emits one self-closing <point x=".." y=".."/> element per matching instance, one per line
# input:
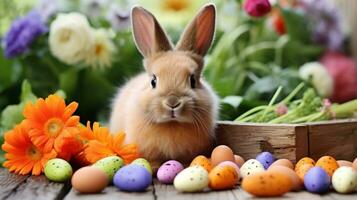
<point x="249" y="139"/>
<point x="336" y="138"/>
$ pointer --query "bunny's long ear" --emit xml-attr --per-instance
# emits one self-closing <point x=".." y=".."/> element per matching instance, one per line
<point x="149" y="37"/>
<point x="199" y="34"/>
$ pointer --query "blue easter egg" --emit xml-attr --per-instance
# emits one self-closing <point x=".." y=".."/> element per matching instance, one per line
<point x="266" y="159"/>
<point x="317" y="180"/>
<point x="132" y="178"/>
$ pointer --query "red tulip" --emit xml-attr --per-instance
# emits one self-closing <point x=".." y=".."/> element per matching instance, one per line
<point x="257" y="8"/>
<point x="278" y="23"/>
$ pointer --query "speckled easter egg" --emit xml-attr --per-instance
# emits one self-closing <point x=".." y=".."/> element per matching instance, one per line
<point x="239" y="160"/>
<point x="344" y="163"/>
<point x="283" y="162"/>
<point x="168" y="171"/>
<point x="302" y="170"/>
<point x="192" y="179"/>
<point x="89" y="179"/>
<point x="144" y="163"/>
<point x="267" y="184"/>
<point x="132" y="178"/>
<point x="250" y="167"/>
<point x="266" y="159"/>
<point x="328" y="163"/>
<point x="230" y="163"/>
<point x="303" y="161"/>
<point x="317" y="180"/>
<point x="221" y="153"/>
<point x="58" y="170"/>
<point x="110" y="165"/>
<point x="223" y="177"/>
<point x="295" y="180"/>
<point x="202" y="161"/>
<point x="344" y="180"/>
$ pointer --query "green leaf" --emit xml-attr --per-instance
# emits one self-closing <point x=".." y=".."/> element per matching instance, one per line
<point x="26" y="92"/>
<point x="10" y="72"/>
<point x="68" y="80"/>
<point x="233" y="101"/>
<point x="61" y="93"/>
<point x="296" y="25"/>
<point x="11" y="116"/>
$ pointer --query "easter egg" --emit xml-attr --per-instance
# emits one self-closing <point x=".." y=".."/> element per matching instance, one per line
<point x="267" y="184"/>
<point x="303" y="161"/>
<point x="89" y="179"/>
<point x="223" y="177"/>
<point x="344" y="163"/>
<point x="302" y="170"/>
<point x="144" y="163"/>
<point x="132" y="178"/>
<point x="354" y="164"/>
<point x="296" y="183"/>
<point x="250" y="167"/>
<point x="230" y="163"/>
<point x="202" y="161"/>
<point x="266" y="159"/>
<point x="168" y="171"/>
<point x="317" y="180"/>
<point x="239" y="160"/>
<point x="110" y="165"/>
<point x="58" y="170"/>
<point x="221" y="153"/>
<point x="191" y="179"/>
<point x="283" y="162"/>
<point x="344" y="180"/>
<point x="328" y="163"/>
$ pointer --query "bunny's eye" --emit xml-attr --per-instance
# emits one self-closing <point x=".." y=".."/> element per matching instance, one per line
<point x="192" y="81"/>
<point x="153" y="81"/>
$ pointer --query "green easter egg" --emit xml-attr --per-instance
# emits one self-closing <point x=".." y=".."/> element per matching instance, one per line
<point x="110" y="165"/>
<point x="58" y="170"/>
<point x="144" y="163"/>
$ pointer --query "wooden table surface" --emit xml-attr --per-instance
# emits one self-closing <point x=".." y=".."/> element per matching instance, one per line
<point x="38" y="187"/>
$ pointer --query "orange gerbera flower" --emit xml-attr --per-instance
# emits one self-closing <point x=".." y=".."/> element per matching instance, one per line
<point x="100" y="144"/>
<point x="68" y="143"/>
<point x="21" y="154"/>
<point x="48" y="119"/>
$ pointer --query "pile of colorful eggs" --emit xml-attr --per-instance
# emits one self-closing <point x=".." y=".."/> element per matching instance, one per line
<point x="263" y="176"/>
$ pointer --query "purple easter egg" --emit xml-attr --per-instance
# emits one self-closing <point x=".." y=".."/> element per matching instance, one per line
<point x="266" y="159"/>
<point x="168" y="171"/>
<point x="317" y="180"/>
<point x="132" y="178"/>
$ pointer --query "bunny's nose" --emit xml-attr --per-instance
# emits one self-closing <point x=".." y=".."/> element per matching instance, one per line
<point x="173" y="102"/>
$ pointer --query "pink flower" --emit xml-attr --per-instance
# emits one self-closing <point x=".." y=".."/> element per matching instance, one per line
<point x="281" y="109"/>
<point x="257" y="8"/>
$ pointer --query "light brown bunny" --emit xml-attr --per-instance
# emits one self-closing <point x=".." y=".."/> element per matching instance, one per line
<point x="169" y="110"/>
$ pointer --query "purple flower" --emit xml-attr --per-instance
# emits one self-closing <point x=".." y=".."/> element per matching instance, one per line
<point x="119" y="18"/>
<point x="22" y="33"/>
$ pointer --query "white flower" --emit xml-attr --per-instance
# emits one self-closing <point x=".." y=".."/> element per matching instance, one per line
<point x="319" y="77"/>
<point x="102" y="49"/>
<point x="70" y="37"/>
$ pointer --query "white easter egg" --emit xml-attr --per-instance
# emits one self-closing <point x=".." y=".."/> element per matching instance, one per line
<point x="250" y="167"/>
<point x="344" y="179"/>
<point x="192" y="179"/>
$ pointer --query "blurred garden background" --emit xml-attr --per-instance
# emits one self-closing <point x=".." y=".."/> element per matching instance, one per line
<point x="83" y="50"/>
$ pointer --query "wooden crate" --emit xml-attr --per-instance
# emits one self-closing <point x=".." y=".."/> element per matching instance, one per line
<point x="337" y="138"/>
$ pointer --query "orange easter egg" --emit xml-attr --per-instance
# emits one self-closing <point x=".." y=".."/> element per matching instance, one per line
<point x="303" y="161"/>
<point x="269" y="183"/>
<point x="222" y="177"/>
<point x="283" y="162"/>
<point x="221" y="153"/>
<point x="328" y="163"/>
<point x="202" y="161"/>
<point x="295" y="179"/>
<point x="239" y="160"/>
<point x="302" y="170"/>
<point x="354" y="164"/>
<point x="344" y="163"/>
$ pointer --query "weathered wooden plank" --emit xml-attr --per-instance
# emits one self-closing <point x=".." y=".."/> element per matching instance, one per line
<point x="163" y="192"/>
<point x="335" y="138"/>
<point x="337" y="196"/>
<point x="250" y="139"/>
<point x="112" y="192"/>
<point x="39" y="187"/>
<point x="9" y="182"/>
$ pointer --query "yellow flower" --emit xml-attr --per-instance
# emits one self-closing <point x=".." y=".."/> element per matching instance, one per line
<point x="102" y="49"/>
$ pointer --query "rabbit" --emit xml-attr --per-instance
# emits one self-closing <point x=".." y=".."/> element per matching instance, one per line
<point x="169" y="111"/>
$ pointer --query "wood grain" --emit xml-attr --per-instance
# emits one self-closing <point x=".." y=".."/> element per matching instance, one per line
<point x="9" y="182"/>
<point x="112" y="192"/>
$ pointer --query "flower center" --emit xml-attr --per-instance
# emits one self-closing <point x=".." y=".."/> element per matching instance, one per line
<point x="33" y="153"/>
<point x="53" y="127"/>
<point x="65" y="35"/>
<point x="98" y="49"/>
<point x="176" y="5"/>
